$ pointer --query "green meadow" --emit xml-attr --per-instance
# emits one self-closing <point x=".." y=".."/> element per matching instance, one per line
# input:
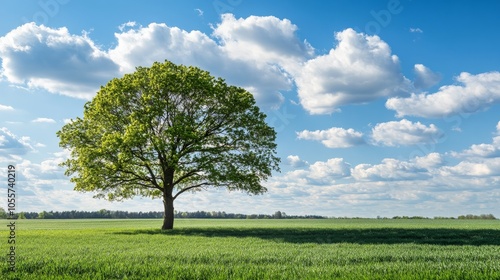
<point x="254" y="249"/>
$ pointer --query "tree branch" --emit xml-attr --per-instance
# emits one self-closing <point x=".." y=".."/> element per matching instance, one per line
<point x="187" y="175"/>
<point x="190" y="188"/>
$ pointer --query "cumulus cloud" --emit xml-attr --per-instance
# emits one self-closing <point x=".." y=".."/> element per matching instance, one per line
<point x="474" y="93"/>
<point x="6" y="108"/>
<point x="142" y="46"/>
<point x="256" y="53"/>
<point x="47" y="169"/>
<point x="404" y="133"/>
<point x="262" y="40"/>
<point x="43" y="120"/>
<point x="322" y="172"/>
<point x="424" y="77"/>
<point x="243" y="55"/>
<point x="319" y="173"/>
<point x="487" y="167"/>
<point x="54" y="60"/>
<point x="124" y="26"/>
<point x="12" y="145"/>
<point x="335" y="137"/>
<point x="482" y="150"/>
<point x="295" y="161"/>
<point x="262" y="54"/>
<point x="393" y="169"/>
<point x="359" y="69"/>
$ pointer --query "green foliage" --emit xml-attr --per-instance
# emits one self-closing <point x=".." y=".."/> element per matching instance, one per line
<point x="257" y="249"/>
<point x="165" y="128"/>
<point x="3" y="213"/>
<point x="477" y="217"/>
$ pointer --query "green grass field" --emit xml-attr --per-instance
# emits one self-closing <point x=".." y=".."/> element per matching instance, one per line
<point x="255" y="249"/>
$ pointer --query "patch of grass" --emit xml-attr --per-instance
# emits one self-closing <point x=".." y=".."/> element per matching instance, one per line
<point x="256" y="249"/>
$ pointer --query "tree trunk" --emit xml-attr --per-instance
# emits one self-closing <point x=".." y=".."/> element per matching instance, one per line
<point x="168" y="216"/>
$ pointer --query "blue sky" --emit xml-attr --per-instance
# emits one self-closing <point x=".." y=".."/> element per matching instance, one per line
<point x="382" y="108"/>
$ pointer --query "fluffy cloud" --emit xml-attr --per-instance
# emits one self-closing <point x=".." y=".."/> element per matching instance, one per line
<point x="142" y="46"/>
<point x="393" y="169"/>
<point x="250" y="52"/>
<point x="327" y="172"/>
<point x="262" y="40"/>
<point x="48" y="169"/>
<point x="43" y="120"/>
<point x="476" y="93"/>
<point x="359" y="69"/>
<point x="12" y="146"/>
<point x="262" y="54"/>
<point x="6" y="108"/>
<point x="334" y="137"/>
<point x="482" y="150"/>
<point x="485" y="167"/>
<point x="404" y="133"/>
<point x="256" y="53"/>
<point x="320" y="173"/>
<point x="425" y="78"/>
<point x="54" y="60"/>
<point x="295" y="161"/>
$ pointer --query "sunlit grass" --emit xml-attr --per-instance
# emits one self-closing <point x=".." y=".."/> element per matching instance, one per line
<point x="256" y="249"/>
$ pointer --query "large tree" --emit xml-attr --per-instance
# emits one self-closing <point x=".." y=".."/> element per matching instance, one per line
<point x="165" y="130"/>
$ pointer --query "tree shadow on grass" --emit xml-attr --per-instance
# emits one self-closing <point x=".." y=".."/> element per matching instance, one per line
<point x="435" y="236"/>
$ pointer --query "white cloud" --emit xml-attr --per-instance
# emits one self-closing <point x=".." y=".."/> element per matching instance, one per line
<point x="43" y="120"/>
<point x="419" y="186"/>
<point x="359" y="69"/>
<point x="261" y="54"/>
<point x="262" y="40"/>
<point x="129" y="24"/>
<point x="199" y="11"/>
<point x="295" y="161"/>
<point x="335" y="137"/>
<point x="416" y="30"/>
<point x="429" y="161"/>
<point x="157" y="42"/>
<point x="425" y="78"/>
<point x="6" y="108"/>
<point x="486" y="167"/>
<point x="73" y="65"/>
<point x="327" y="172"/>
<point x="393" y="169"/>
<point x="11" y="145"/>
<point x="54" y="60"/>
<point x="482" y="150"/>
<point x="404" y="133"/>
<point x="476" y="93"/>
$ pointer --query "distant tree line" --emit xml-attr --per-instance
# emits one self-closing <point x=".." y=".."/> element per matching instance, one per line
<point x="461" y="217"/>
<point x="110" y="214"/>
<point x="477" y="217"/>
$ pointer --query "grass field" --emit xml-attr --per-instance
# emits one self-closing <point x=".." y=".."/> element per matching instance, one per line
<point x="255" y="249"/>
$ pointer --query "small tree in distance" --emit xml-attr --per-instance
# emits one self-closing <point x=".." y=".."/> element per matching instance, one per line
<point x="165" y="130"/>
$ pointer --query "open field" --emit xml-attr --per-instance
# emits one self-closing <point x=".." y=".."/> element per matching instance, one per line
<point x="255" y="249"/>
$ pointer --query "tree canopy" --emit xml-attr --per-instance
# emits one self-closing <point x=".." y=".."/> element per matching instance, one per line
<point x="165" y="130"/>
